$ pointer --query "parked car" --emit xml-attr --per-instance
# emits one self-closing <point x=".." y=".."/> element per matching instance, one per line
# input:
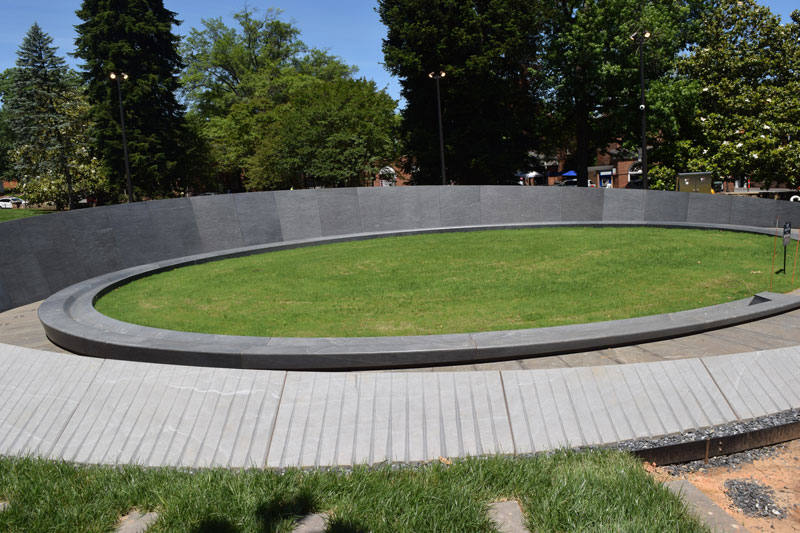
<point x="6" y="203"/>
<point x="18" y="201"/>
<point x="635" y="183"/>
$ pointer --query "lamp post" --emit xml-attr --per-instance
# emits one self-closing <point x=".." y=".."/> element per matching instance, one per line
<point x="437" y="76"/>
<point x="639" y="38"/>
<point x="116" y="76"/>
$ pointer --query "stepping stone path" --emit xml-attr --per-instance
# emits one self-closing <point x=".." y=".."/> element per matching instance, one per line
<point x="136" y="522"/>
<point x="313" y="523"/>
<point x="3" y="506"/>
<point x="508" y="517"/>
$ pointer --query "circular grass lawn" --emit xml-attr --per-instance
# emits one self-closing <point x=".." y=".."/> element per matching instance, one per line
<point x="455" y="283"/>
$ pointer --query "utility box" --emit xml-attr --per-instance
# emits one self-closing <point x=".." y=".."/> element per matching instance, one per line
<point x="694" y="182"/>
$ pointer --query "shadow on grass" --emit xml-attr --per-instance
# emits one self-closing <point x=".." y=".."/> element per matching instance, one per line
<point x="215" y="525"/>
<point x="345" y="526"/>
<point x="271" y="513"/>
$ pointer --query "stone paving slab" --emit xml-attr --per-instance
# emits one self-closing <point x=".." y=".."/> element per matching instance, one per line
<point x="507" y="517"/>
<point x="136" y="522"/>
<point x="711" y="514"/>
<point x="63" y="406"/>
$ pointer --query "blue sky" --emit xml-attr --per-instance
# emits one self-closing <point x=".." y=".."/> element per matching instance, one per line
<point x="349" y="29"/>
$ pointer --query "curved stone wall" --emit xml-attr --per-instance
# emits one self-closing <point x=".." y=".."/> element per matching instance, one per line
<point x="42" y="255"/>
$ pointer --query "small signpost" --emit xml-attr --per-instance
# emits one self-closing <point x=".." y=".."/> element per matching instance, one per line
<point x="787" y="238"/>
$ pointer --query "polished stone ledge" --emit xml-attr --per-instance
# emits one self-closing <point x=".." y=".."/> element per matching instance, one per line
<point x="71" y="321"/>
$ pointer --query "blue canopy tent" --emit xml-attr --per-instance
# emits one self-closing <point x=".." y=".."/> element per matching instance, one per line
<point x="569" y="174"/>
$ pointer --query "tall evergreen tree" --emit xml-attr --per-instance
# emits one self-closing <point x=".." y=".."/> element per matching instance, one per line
<point x="36" y="99"/>
<point x="135" y="37"/>
<point x="487" y="49"/>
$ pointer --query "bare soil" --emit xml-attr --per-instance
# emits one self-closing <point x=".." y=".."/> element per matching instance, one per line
<point x="781" y="472"/>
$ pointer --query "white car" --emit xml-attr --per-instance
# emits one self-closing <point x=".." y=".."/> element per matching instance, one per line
<point x="6" y="203"/>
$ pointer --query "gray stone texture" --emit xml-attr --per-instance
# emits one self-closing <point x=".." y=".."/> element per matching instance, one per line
<point x="579" y="204"/>
<point x="339" y="212"/>
<point x="501" y="205"/>
<point x="217" y="222"/>
<point x="258" y="216"/>
<point x="52" y="252"/>
<point x="299" y="214"/>
<point x="399" y="208"/>
<point x="757" y="212"/>
<point x="540" y="204"/>
<point x="624" y="205"/>
<point x="709" y="208"/>
<point x="460" y="206"/>
<point x="666" y="206"/>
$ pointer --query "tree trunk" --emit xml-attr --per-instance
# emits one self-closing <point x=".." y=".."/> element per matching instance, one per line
<point x="582" y="141"/>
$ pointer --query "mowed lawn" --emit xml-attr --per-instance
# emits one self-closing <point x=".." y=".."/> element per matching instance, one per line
<point x="564" y="491"/>
<point x="13" y="214"/>
<point x="456" y="282"/>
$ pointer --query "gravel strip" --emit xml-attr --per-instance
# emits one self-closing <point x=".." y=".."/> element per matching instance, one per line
<point x="726" y="430"/>
<point x="753" y="498"/>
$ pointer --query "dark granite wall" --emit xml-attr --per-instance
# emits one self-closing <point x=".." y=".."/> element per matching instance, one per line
<point x="42" y="255"/>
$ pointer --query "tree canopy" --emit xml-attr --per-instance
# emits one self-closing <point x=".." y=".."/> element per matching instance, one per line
<point x="136" y="38"/>
<point x="488" y="49"/>
<point x="277" y="114"/>
<point x="47" y="113"/>
<point x="745" y="71"/>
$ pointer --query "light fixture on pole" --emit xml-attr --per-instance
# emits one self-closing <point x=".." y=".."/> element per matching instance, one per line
<point x="437" y="76"/>
<point x="116" y="77"/>
<point x="639" y="38"/>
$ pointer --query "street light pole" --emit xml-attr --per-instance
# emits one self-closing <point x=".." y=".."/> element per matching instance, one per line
<point x="114" y="76"/>
<point x="437" y="76"/>
<point x="640" y="38"/>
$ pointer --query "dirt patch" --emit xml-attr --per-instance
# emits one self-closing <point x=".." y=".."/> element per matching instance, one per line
<point x="780" y="473"/>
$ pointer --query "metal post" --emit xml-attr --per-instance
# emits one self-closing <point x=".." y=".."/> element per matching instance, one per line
<point x="441" y="131"/>
<point x="124" y="139"/>
<point x="643" y="109"/>
<point x="437" y="76"/>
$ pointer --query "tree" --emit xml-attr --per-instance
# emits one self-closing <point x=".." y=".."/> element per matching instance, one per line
<point x="6" y="133"/>
<point x="274" y="112"/>
<point x="746" y="69"/>
<point x="487" y="48"/>
<point x="135" y="37"/>
<point x="39" y="100"/>
<point x="591" y="66"/>
<point x="334" y="133"/>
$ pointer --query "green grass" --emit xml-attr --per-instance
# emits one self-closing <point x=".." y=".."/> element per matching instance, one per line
<point x="13" y="214"/>
<point x="565" y="491"/>
<point x="455" y="283"/>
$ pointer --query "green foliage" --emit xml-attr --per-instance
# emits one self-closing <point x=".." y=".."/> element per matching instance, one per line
<point x="135" y="38"/>
<point x="662" y="178"/>
<point x="332" y="133"/>
<point x="47" y="112"/>
<point x="591" y="66"/>
<point x="746" y="71"/>
<point x="488" y="50"/>
<point x="281" y="115"/>
<point x="6" y="133"/>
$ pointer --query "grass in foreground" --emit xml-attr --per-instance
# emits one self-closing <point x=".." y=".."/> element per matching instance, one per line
<point x="13" y="214"/>
<point x="567" y="491"/>
<point x="455" y="283"/>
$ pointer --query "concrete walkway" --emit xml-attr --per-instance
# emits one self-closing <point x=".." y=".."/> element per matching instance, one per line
<point x="63" y="406"/>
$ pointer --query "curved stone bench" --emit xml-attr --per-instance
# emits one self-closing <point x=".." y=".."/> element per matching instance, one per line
<point x="71" y="321"/>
